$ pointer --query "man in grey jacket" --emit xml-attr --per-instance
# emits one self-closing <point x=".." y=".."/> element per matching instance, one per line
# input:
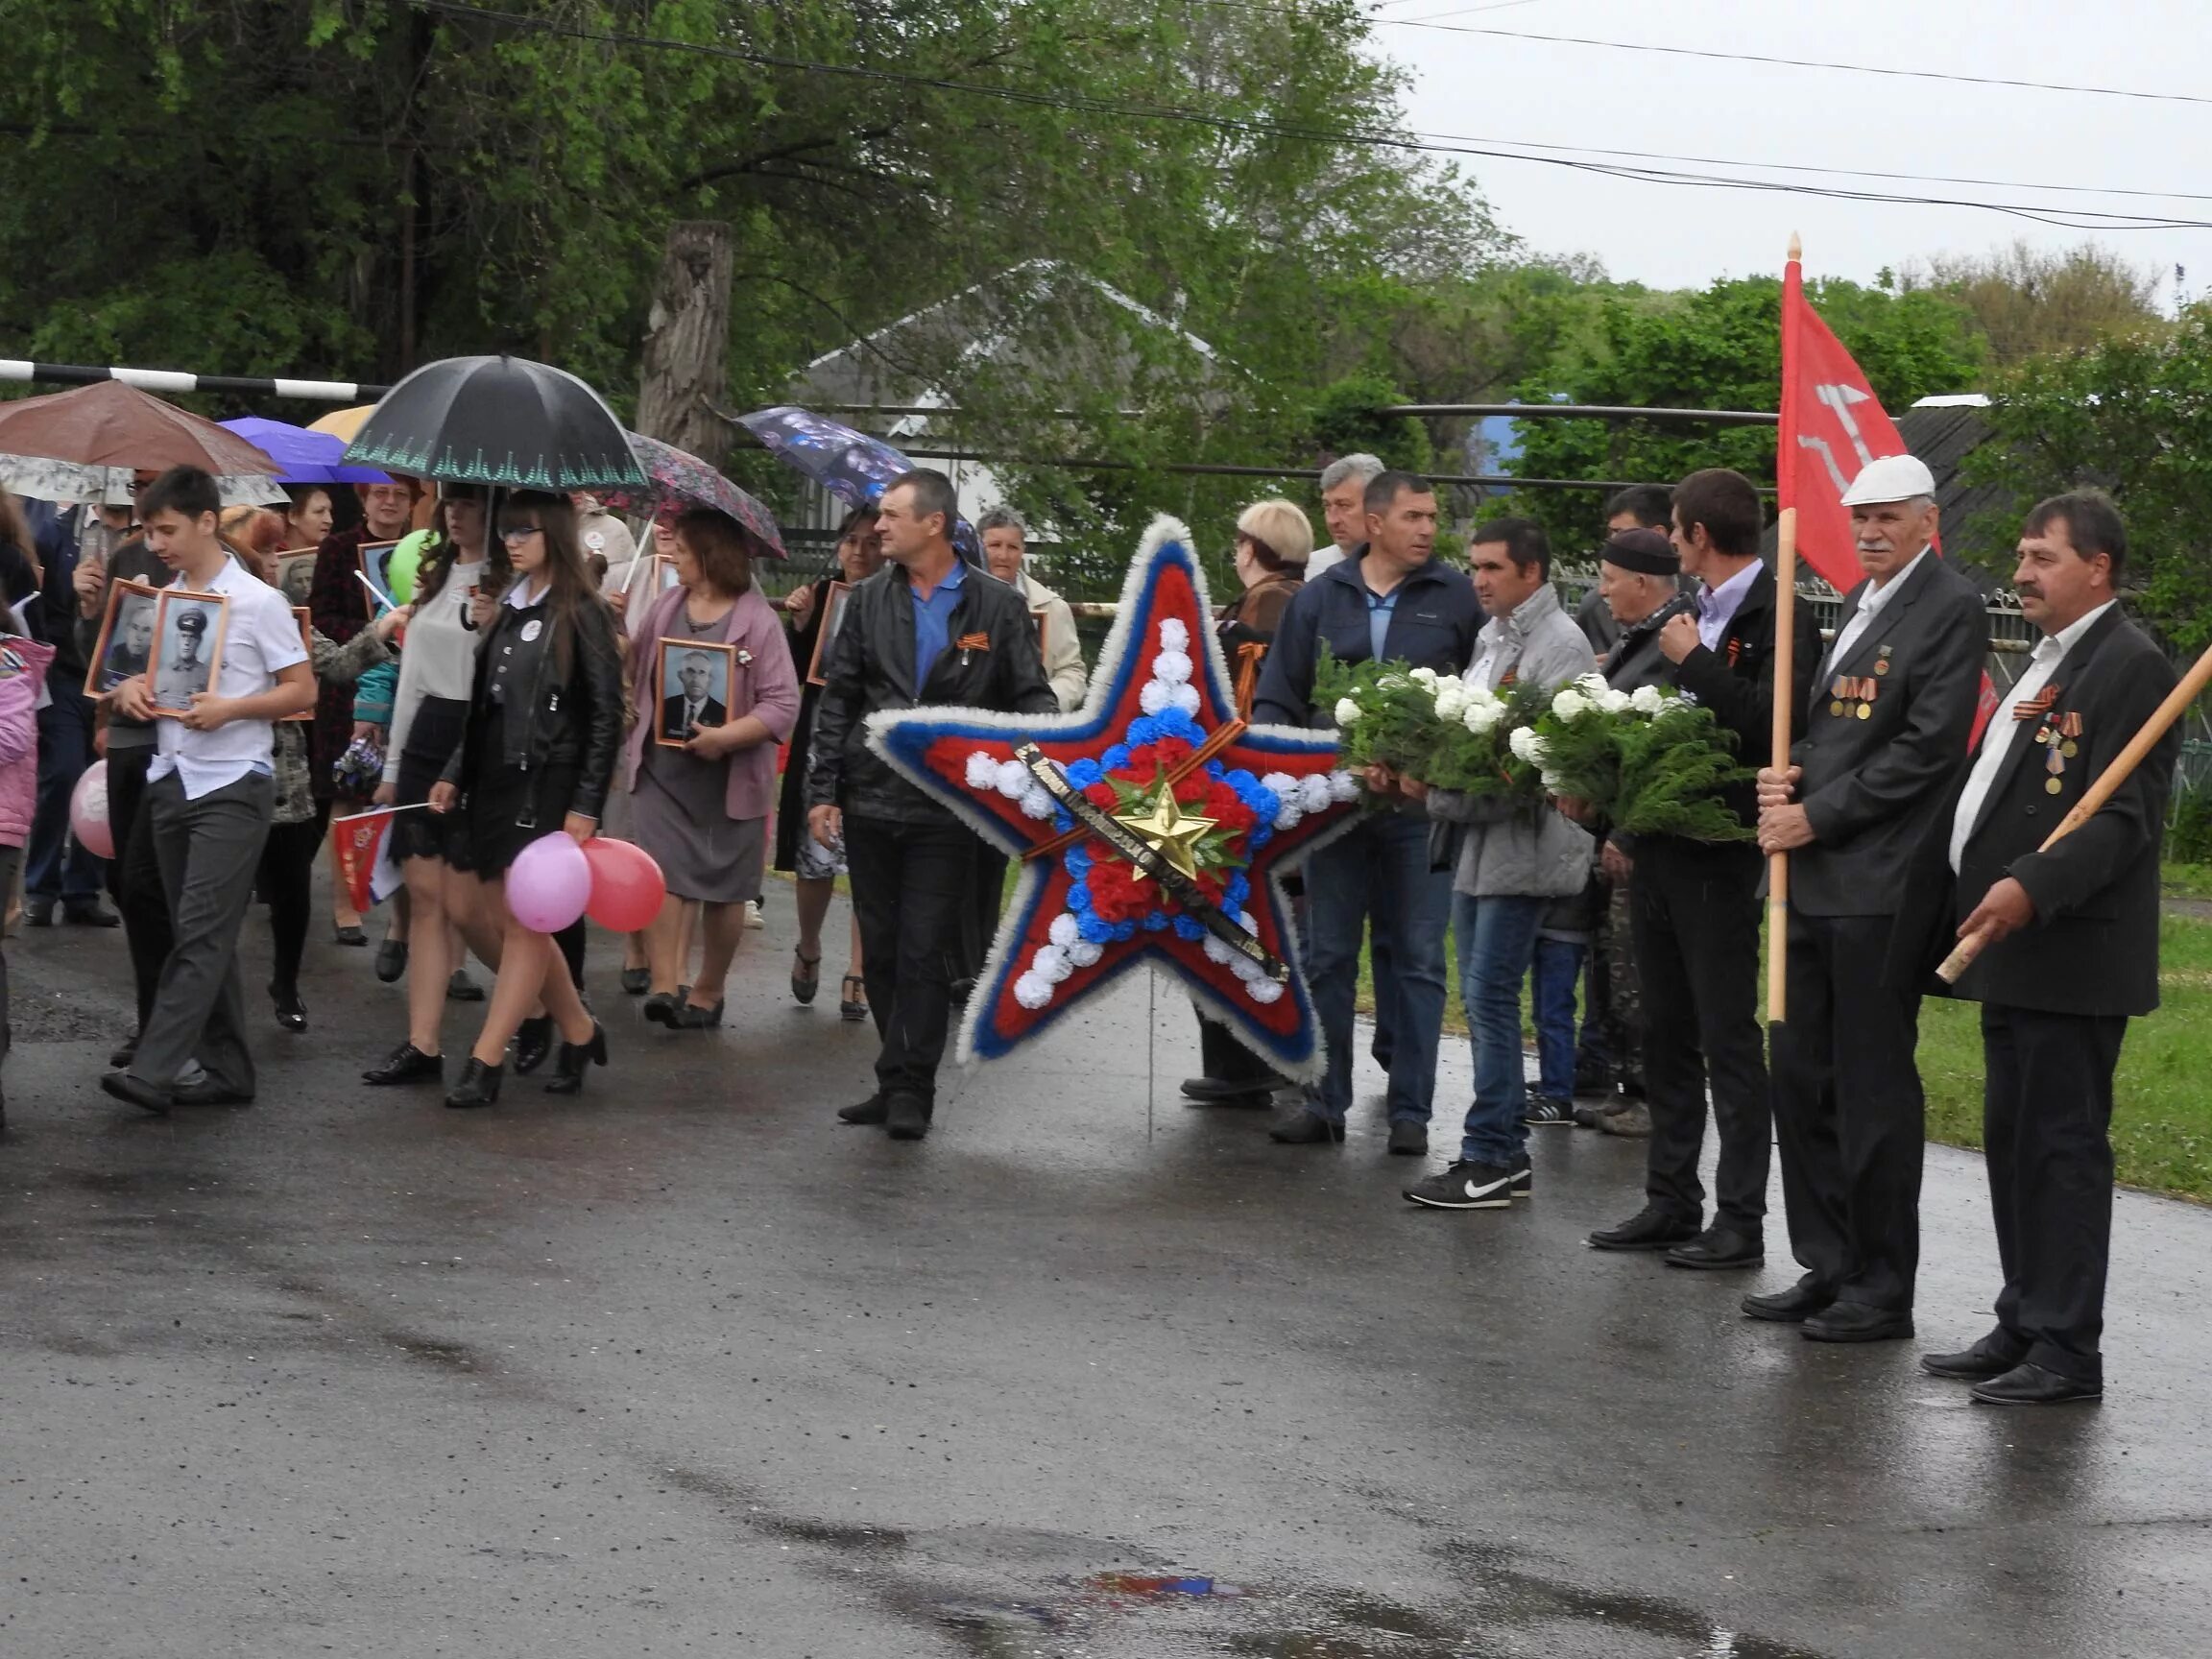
<point x="1514" y="860"/>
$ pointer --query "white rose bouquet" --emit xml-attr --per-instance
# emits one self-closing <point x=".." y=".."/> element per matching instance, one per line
<point x="1649" y="761"/>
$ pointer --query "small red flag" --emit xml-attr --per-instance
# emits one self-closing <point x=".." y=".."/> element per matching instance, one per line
<point x="362" y="851"/>
<point x="1832" y="426"/>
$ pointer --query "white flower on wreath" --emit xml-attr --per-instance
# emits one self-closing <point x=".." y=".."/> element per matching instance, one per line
<point x="1592" y="687"/>
<point x="1347" y="711"/>
<point x="1452" y="699"/>
<point x="982" y="771"/>
<point x="1031" y="992"/>
<point x="1570" y="704"/>
<point x="1647" y="700"/>
<point x="1171" y="668"/>
<point x="1184" y="698"/>
<point x="1313" y="792"/>
<point x="1482" y="718"/>
<point x="1013" y="780"/>
<point x="1612" y="702"/>
<point x="1427" y="677"/>
<point x="1264" y="989"/>
<point x="1527" y="745"/>
<point x="1174" y="636"/>
<point x="1343" y="786"/>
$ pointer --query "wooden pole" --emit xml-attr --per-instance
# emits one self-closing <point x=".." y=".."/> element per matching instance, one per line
<point x="2107" y="784"/>
<point x="1785" y="713"/>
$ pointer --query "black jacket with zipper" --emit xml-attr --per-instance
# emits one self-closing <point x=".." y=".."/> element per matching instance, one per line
<point x="871" y="666"/>
<point x="551" y="719"/>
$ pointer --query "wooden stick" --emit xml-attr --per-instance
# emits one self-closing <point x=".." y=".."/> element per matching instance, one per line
<point x="2107" y="784"/>
<point x="1785" y="713"/>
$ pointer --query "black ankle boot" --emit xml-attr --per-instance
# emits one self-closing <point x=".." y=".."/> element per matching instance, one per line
<point x="569" y="1069"/>
<point x="533" y="1041"/>
<point x="479" y="1084"/>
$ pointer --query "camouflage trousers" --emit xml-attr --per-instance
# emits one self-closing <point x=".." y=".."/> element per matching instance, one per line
<point x="1613" y="1031"/>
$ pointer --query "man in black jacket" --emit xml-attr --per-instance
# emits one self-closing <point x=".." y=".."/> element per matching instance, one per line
<point x="1393" y="599"/>
<point x="927" y="629"/>
<point x="1891" y="712"/>
<point x="1694" y="905"/>
<point x="2074" y="952"/>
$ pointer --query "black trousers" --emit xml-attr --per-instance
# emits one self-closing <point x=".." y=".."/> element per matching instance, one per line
<point x="980" y="923"/>
<point x="1225" y="1060"/>
<point x="1694" y="918"/>
<point x="286" y="879"/>
<point x="2046" y="1123"/>
<point x="1848" y="1112"/>
<point x="912" y="883"/>
<point x="135" y="873"/>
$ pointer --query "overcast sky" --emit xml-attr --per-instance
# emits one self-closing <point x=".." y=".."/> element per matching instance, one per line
<point x="1544" y="93"/>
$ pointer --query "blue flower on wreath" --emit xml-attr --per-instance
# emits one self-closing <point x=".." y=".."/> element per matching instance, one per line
<point x="1238" y="890"/>
<point x="1085" y="773"/>
<point x="1079" y="901"/>
<point x="1076" y="862"/>
<point x="1124" y="929"/>
<point x="1187" y="929"/>
<point x="1155" y="920"/>
<point x="1115" y="758"/>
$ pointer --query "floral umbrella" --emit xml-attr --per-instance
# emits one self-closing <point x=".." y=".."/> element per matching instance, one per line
<point x="678" y="478"/>
<point x="852" y="465"/>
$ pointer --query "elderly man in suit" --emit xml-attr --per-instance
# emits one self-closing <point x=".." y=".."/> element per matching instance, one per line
<point x="1694" y="907"/>
<point x="2074" y="948"/>
<point x="692" y="709"/>
<point x="1892" y="713"/>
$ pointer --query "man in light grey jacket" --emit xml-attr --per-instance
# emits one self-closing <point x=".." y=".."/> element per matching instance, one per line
<point x="1514" y="860"/>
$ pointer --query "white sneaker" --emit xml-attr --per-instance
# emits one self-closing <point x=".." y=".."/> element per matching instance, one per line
<point x="752" y="916"/>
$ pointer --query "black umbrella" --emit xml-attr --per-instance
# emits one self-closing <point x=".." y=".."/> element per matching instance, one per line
<point x="502" y="421"/>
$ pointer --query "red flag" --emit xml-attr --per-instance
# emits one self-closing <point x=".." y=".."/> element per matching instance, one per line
<point x="361" y="850"/>
<point x="1832" y="426"/>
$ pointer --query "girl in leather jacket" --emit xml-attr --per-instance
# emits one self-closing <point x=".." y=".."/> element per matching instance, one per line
<point x="545" y="727"/>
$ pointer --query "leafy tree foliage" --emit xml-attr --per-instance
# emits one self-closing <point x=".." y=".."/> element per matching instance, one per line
<point x="2028" y="301"/>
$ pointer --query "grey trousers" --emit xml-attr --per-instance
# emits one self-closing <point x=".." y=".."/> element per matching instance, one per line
<point x="209" y="851"/>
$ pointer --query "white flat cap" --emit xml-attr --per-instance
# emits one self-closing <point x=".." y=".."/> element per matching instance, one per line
<point x="1892" y="478"/>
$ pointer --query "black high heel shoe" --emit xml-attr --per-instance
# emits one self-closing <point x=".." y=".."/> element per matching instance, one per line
<point x="691" y="1018"/>
<point x="291" y="1012"/>
<point x="533" y="1041"/>
<point x="569" y="1069"/>
<point x="479" y="1084"/>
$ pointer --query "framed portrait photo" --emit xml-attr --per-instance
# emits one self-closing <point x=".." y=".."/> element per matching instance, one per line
<point x="306" y="644"/>
<point x="832" y="619"/>
<point x="376" y="570"/>
<point x="694" y="685"/>
<point x="295" y="574"/>
<point x="125" y="648"/>
<point x="1044" y="621"/>
<point x="188" y="630"/>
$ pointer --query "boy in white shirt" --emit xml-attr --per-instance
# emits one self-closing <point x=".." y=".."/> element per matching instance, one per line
<point x="209" y="793"/>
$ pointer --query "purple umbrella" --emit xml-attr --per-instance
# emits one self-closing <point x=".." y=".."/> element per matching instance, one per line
<point x="678" y="478"/>
<point x="852" y="465"/>
<point x="302" y="456"/>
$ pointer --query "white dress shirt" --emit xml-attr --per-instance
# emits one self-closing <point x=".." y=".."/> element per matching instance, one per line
<point x="1870" y="606"/>
<point x="260" y="640"/>
<point x="1321" y="558"/>
<point x="1716" y="606"/>
<point x="1997" y="741"/>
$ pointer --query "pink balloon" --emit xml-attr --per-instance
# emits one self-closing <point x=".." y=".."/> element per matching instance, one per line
<point x="627" y="886"/>
<point x="548" y="884"/>
<point x="88" y="811"/>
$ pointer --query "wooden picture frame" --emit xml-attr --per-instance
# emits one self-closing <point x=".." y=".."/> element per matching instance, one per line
<point x="674" y="658"/>
<point x="375" y="560"/>
<point x="1044" y="621"/>
<point x="832" y="619"/>
<point x="296" y="572"/>
<point x="135" y="599"/>
<point x="187" y="658"/>
<point x="306" y="644"/>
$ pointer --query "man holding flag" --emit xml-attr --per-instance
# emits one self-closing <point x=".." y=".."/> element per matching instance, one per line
<point x="1885" y="736"/>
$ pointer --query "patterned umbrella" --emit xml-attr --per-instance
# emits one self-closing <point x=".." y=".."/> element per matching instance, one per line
<point x="852" y="465"/>
<point x="679" y="478"/>
<point x="504" y="421"/>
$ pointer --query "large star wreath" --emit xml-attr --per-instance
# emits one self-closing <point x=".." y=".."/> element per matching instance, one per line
<point x="1151" y="823"/>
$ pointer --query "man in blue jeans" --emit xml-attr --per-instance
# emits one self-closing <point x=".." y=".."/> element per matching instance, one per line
<point x="1515" y="860"/>
<point x="1391" y="600"/>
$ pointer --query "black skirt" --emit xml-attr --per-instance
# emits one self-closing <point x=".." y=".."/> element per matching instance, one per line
<point x="431" y="740"/>
<point x="508" y="808"/>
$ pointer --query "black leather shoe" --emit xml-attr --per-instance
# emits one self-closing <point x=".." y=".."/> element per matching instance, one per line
<point x="89" y="913"/>
<point x="661" y="1009"/>
<point x="636" y="981"/>
<point x="1801" y="1301"/>
<point x="1651" y="1228"/>
<point x="906" y="1117"/>
<point x="479" y="1084"/>
<point x="869" y="1111"/>
<point x="569" y="1069"/>
<point x="460" y="988"/>
<point x="533" y="1041"/>
<point x="408" y="1064"/>
<point x="38" y="912"/>
<point x="2032" y="1385"/>
<point x="291" y="1012"/>
<point x="1857" y="1322"/>
<point x="121" y="1059"/>
<point x="390" y="960"/>
<point x="1408" y="1139"/>
<point x="1299" y="1125"/>
<point x="690" y="1016"/>
<point x="208" y="1092"/>
<point x="1718" y="1247"/>
<point x="1991" y="1357"/>
<point x="1230" y="1092"/>
<point x="136" y="1091"/>
<point x="350" y="936"/>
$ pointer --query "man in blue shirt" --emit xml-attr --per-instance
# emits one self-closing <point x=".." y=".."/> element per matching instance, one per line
<point x="1392" y="599"/>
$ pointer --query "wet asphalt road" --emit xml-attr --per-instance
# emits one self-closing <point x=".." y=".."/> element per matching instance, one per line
<point x="681" y="1366"/>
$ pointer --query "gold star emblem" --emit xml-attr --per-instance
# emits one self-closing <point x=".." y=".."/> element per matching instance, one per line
<point x="1165" y="829"/>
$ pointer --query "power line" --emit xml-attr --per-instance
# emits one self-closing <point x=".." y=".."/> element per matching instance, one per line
<point x="2082" y="219"/>
<point x="1796" y="62"/>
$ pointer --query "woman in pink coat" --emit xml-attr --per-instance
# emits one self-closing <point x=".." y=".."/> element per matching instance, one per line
<point x="23" y="665"/>
<point x="700" y="762"/>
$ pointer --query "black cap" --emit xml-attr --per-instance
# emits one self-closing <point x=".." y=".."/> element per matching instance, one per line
<point x="1643" y="550"/>
<point x="192" y="622"/>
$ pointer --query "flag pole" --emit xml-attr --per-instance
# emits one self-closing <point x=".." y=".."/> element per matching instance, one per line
<point x="1785" y="699"/>
<point x="2177" y="703"/>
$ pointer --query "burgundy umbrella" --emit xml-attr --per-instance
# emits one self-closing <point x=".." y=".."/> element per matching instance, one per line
<point x="83" y="445"/>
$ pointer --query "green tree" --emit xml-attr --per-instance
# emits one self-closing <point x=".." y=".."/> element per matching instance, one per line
<point x="2133" y="416"/>
<point x="2029" y="301"/>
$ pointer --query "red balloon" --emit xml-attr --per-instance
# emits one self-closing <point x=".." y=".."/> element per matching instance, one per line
<point x="627" y="887"/>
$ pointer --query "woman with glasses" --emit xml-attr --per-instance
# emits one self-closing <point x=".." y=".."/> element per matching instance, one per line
<point x="536" y="756"/>
<point x="701" y="810"/>
<point x="429" y="712"/>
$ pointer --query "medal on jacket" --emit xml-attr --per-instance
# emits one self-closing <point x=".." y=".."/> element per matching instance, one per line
<point x="1882" y="660"/>
<point x="2060" y="741"/>
<point x="1853" y="696"/>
